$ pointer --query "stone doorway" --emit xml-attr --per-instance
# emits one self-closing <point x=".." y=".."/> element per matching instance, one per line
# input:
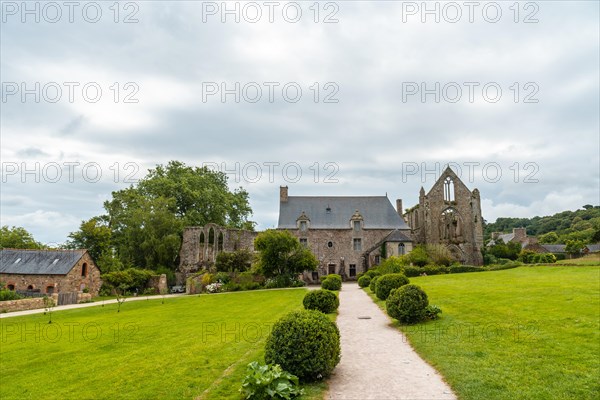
<point x="331" y="269"/>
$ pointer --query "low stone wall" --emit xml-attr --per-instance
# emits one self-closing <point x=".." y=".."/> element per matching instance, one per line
<point x="22" y="304"/>
<point x="159" y="283"/>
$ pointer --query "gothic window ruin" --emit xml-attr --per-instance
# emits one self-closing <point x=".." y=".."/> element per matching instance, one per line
<point x="211" y="236"/>
<point x="448" y="189"/>
<point x="450" y="225"/>
<point x="202" y="239"/>
<point x="220" y="242"/>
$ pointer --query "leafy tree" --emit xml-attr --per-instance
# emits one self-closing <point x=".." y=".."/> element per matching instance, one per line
<point x="574" y="247"/>
<point x="239" y="260"/>
<point x="550" y="237"/>
<point x="508" y="250"/>
<point x="17" y="238"/>
<point x="280" y="253"/>
<point x="418" y="256"/>
<point x="596" y="236"/>
<point x="93" y="235"/>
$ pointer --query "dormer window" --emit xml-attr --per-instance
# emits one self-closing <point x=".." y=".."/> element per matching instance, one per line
<point x="303" y="226"/>
<point x="356" y="221"/>
<point x="302" y="222"/>
<point x="356" y="226"/>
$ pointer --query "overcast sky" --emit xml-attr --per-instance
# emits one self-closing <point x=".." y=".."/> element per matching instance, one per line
<point x="361" y="98"/>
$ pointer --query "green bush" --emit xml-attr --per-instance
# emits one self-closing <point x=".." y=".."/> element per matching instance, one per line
<point x="432" y="312"/>
<point x="223" y="277"/>
<point x="364" y="281"/>
<point x="432" y="269"/>
<point x="412" y="271"/>
<point x="231" y="287"/>
<point x="392" y="265"/>
<point x="335" y="277"/>
<point x="321" y="300"/>
<point x="457" y="269"/>
<point x="407" y="304"/>
<point x="305" y="343"/>
<point x="9" y="295"/>
<point x="251" y="286"/>
<point x="269" y="382"/>
<point x="332" y="283"/>
<point x="386" y="283"/>
<point x="373" y="284"/>
<point x="129" y="280"/>
<point x="372" y="273"/>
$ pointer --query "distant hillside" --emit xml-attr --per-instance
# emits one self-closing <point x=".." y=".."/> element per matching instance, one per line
<point x="582" y="224"/>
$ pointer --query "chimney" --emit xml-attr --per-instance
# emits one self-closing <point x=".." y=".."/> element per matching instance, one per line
<point x="283" y="194"/>
<point x="399" y="206"/>
<point x="495" y="235"/>
<point x="520" y="234"/>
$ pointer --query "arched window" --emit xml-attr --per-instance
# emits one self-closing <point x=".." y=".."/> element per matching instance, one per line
<point x="10" y="287"/>
<point x="84" y="270"/>
<point x="220" y="242"/>
<point x="50" y="289"/>
<point x="30" y="287"/>
<point x="449" y="189"/>
<point x="202" y="239"/>
<point x="401" y="249"/>
<point x="211" y="236"/>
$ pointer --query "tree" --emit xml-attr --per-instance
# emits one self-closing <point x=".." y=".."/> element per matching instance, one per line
<point x="418" y="256"/>
<point x="596" y="236"/>
<point x="574" y="247"/>
<point x="17" y="238"/>
<point x="93" y="235"/>
<point x="239" y="260"/>
<point x="280" y="253"/>
<point x="550" y="237"/>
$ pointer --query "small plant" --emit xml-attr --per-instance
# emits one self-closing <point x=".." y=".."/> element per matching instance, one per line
<point x="364" y="281"/>
<point x="386" y="283"/>
<point x="120" y="298"/>
<point x="214" y="287"/>
<point x="305" y="343"/>
<point x="332" y="282"/>
<point x="407" y="304"/>
<point x="48" y="307"/>
<point x="432" y="311"/>
<point x="321" y="300"/>
<point x="269" y="382"/>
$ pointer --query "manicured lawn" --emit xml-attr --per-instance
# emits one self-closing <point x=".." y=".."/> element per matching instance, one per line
<point x="524" y="333"/>
<point x="189" y="347"/>
<point x="588" y="259"/>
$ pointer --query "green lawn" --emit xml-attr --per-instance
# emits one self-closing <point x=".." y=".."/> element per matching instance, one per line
<point x="189" y="347"/>
<point x="524" y="333"/>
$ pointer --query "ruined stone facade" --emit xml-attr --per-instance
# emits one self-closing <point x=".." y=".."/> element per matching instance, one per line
<point x="201" y="244"/>
<point x="34" y="270"/>
<point x="449" y="214"/>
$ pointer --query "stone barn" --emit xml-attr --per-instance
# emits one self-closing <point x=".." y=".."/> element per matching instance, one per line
<point x="49" y="271"/>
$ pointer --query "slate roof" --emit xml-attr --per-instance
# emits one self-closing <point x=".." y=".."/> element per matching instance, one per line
<point x="38" y="262"/>
<point x="377" y="212"/>
<point x="397" y="236"/>
<point x="554" y="248"/>
<point x="593" y="247"/>
<point x="506" y="237"/>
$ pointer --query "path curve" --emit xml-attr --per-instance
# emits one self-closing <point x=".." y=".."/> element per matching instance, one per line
<point x="377" y="361"/>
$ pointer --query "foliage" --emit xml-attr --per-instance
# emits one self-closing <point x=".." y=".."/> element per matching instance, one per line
<point x="214" y="287"/>
<point x="412" y="271"/>
<point x="280" y="253"/>
<point x="129" y="280"/>
<point x="531" y="257"/>
<point x="223" y="277"/>
<point x="432" y="312"/>
<point x="432" y="269"/>
<point x="17" y="238"/>
<point x="239" y="260"/>
<point x="581" y="225"/>
<point x="48" y="307"/>
<point x="386" y="283"/>
<point x="508" y="250"/>
<point x="550" y="238"/>
<point x="439" y="254"/>
<point x="6" y="294"/>
<point x="305" y="343"/>
<point x="418" y="256"/>
<point x="364" y="281"/>
<point x="373" y="284"/>
<point x="392" y="265"/>
<point x="207" y="279"/>
<point x="94" y="235"/>
<point x="264" y="382"/>
<point x="372" y="273"/>
<point x="574" y="247"/>
<point x="332" y="282"/>
<point x="407" y="304"/>
<point x="283" y="281"/>
<point x="321" y="300"/>
<point x="456" y="269"/>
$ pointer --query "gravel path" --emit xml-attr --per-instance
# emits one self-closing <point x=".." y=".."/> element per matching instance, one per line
<point x="377" y="362"/>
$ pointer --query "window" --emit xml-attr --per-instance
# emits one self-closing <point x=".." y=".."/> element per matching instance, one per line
<point x="377" y="260"/>
<point x="10" y="287"/>
<point x="303" y="226"/>
<point x="202" y="239"/>
<point x="330" y="244"/>
<point x="220" y="242"/>
<point x="30" y="287"/>
<point x="304" y="242"/>
<point x="356" y="225"/>
<point x="315" y="276"/>
<point x="401" y="249"/>
<point x="50" y="289"/>
<point x="331" y="268"/>
<point x="84" y="270"/>
<point x="357" y="245"/>
<point x="211" y="236"/>
<point x="449" y="189"/>
<point x="352" y="270"/>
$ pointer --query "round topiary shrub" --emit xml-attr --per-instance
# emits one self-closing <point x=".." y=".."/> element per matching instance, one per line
<point x="321" y="300"/>
<point x="364" y="281"/>
<point x="373" y="284"/>
<point x="407" y="304"/>
<point x="372" y="273"/>
<point x="305" y="343"/>
<point x="386" y="283"/>
<point x="332" y="284"/>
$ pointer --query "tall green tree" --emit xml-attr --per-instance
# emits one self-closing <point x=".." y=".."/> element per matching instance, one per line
<point x="93" y="235"/>
<point x="280" y="253"/>
<point x="17" y="238"/>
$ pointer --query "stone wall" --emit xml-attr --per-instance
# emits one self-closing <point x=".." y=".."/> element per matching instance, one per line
<point x="159" y="283"/>
<point x="37" y="302"/>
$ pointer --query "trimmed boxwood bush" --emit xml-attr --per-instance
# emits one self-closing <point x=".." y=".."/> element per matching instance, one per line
<point x="321" y="300"/>
<point x="386" y="283"/>
<point x="408" y="304"/>
<point x="412" y="271"/>
<point x="332" y="283"/>
<point x="305" y="343"/>
<point x="456" y="269"/>
<point x="373" y="284"/>
<point x="364" y="281"/>
<point x="372" y="273"/>
<point x="435" y="269"/>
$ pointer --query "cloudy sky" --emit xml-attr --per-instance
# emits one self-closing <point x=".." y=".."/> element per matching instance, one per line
<point x="360" y="98"/>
